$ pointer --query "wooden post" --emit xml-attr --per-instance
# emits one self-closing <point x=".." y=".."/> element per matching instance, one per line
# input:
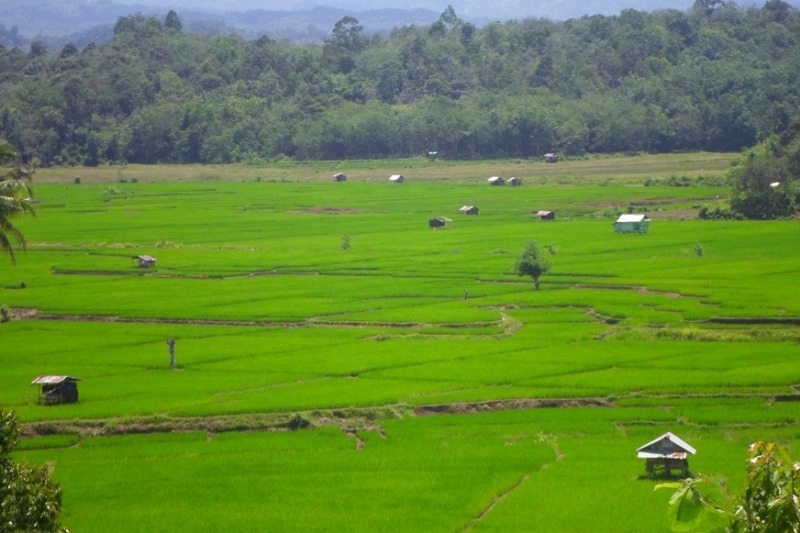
<point x="171" y="346"/>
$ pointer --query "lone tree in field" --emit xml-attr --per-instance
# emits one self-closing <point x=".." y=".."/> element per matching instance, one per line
<point x="15" y="198"/>
<point x="531" y="262"/>
<point x="763" y="188"/>
<point x="29" y="499"/>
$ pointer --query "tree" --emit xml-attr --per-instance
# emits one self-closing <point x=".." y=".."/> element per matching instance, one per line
<point x="29" y="499"/>
<point x="762" y="187"/>
<point x="531" y="262"/>
<point x="15" y="199"/>
<point x="172" y="22"/>
<point x="345" y="43"/>
<point x="770" y="501"/>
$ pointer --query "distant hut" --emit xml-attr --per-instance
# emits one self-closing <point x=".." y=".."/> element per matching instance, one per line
<point x="632" y="224"/>
<point x="469" y="210"/>
<point x="396" y="178"/>
<point x="57" y="389"/>
<point x="433" y="155"/>
<point x="339" y="176"/>
<point x="437" y="222"/>
<point x="145" y="261"/>
<point x="665" y="454"/>
<point x="514" y="181"/>
<point x="546" y="215"/>
<point x="496" y="180"/>
<point x="551" y="158"/>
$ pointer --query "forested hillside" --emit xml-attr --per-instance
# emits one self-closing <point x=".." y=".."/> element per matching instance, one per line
<point x="717" y="77"/>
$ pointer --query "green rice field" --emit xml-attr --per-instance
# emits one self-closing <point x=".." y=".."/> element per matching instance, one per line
<point x="343" y="367"/>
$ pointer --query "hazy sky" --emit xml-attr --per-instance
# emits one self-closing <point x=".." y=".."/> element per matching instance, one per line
<point x="470" y="9"/>
<point x="500" y="9"/>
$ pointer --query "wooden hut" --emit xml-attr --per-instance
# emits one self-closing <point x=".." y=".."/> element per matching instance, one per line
<point x="339" y="176"/>
<point x="469" y="210"/>
<point x="514" y="181"/>
<point x="436" y="222"/>
<point x="145" y="261"/>
<point x="665" y="454"/>
<point x="496" y="180"/>
<point x="632" y="224"/>
<point x="396" y="178"/>
<point x="546" y="215"/>
<point x="57" y="389"/>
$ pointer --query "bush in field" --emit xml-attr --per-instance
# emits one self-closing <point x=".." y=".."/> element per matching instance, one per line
<point x="719" y="212"/>
<point x="769" y="503"/>
<point x="531" y="262"/>
<point x="29" y="499"/>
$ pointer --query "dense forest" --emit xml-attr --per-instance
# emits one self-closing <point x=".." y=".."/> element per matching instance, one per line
<point x="717" y="77"/>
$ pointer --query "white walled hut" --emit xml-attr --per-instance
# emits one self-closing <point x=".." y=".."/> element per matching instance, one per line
<point x="665" y="454"/>
<point x="396" y="178"/>
<point x="632" y="224"/>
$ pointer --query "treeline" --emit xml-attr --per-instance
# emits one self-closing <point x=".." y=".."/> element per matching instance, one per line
<point x="717" y="77"/>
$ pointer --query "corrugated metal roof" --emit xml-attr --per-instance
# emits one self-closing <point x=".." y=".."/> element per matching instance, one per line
<point x="53" y="380"/>
<point x="631" y="218"/>
<point x="674" y="439"/>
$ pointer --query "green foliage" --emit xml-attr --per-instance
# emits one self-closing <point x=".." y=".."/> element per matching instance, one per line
<point x="770" y="501"/>
<point x="763" y="188"/>
<point x="633" y="83"/>
<point x="15" y="198"/>
<point x="532" y="262"/>
<point x="29" y="499"/>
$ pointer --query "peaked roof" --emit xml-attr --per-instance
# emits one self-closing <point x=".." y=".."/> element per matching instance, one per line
<point x="665" y="445"/>
<point x="53" y="380"/>
<point x="632" y="218"/>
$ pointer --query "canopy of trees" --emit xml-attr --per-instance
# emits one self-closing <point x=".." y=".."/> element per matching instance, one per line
<point x="717" y="77"/>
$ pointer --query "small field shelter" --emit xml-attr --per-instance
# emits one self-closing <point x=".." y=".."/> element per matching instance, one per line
<point x="145" y="261"/>
<point x="665" y="454"/>
<point x="632" y="224"/>
<point x="57" y="389"/>
<point x="436" y="222"/>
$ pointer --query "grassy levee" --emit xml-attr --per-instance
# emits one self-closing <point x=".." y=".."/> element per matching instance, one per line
<point x="289" y="293"/>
